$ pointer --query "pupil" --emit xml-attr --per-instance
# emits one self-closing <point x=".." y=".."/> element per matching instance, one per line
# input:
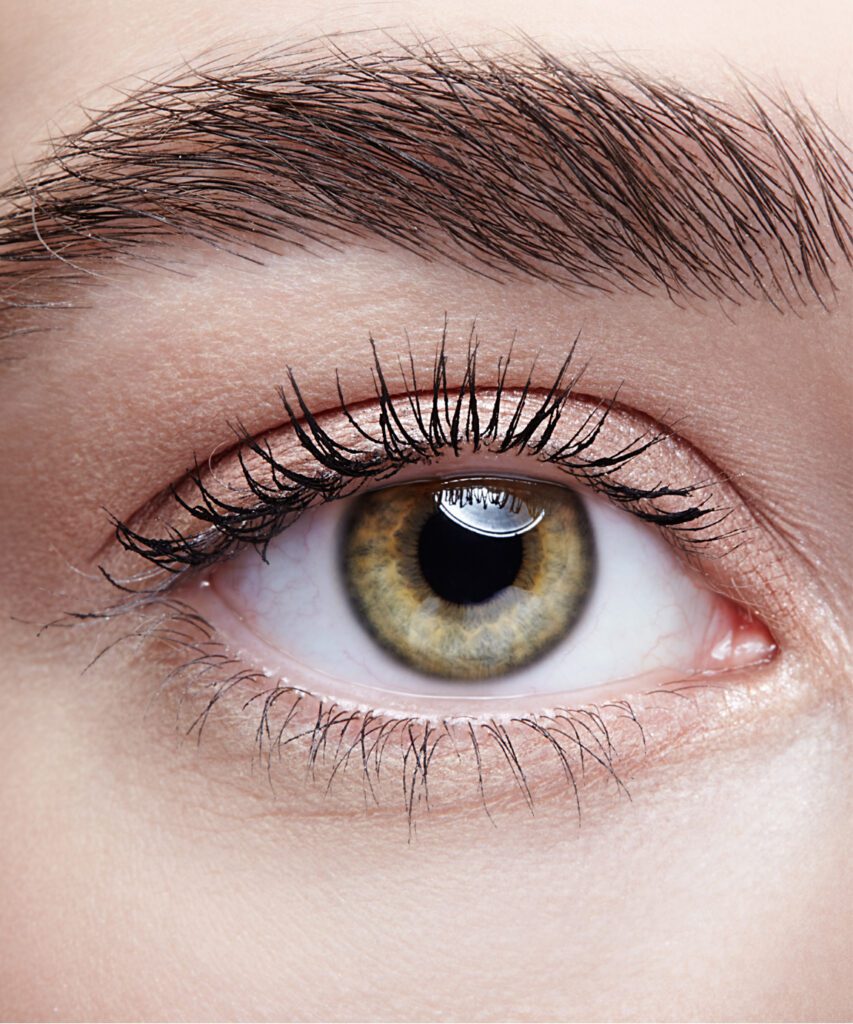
<point x="464" y="567"/>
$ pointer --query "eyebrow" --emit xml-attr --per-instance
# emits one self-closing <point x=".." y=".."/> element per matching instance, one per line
<point x="594" y="177"/>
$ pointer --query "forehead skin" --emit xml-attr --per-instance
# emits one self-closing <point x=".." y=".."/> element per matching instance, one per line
<point x="131" y="892"/>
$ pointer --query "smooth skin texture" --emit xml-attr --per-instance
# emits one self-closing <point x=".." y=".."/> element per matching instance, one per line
<point x="145" y="877"/>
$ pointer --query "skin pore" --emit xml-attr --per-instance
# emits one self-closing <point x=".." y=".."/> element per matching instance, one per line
<point x="149" y="876"/>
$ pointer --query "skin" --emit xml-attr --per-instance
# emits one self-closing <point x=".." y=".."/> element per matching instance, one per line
<point x="145" y="877"/>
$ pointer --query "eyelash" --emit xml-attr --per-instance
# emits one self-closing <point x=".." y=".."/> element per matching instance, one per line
<point x="597" y="746"/>
<point x="446" y="420"/>
<point x="587" y="732"/>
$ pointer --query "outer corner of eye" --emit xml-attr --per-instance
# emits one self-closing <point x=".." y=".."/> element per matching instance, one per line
<point x="475" y="587"/>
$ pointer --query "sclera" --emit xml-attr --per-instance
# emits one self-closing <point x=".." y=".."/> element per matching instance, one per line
<point x="647" y="622"/>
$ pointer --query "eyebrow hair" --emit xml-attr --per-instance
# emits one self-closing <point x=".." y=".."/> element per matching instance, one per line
<point x="593" y="177"/>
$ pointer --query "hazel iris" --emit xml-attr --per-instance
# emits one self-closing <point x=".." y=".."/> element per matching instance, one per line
<point x="469" y="578"/>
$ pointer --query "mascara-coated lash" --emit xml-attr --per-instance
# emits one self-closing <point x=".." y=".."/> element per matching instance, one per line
<point x="415" y="425"/>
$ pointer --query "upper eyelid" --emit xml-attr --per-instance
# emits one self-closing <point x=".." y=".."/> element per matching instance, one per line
<point x="532" y="413"/>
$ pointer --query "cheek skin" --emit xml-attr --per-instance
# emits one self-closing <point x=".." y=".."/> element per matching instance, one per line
<point x="189" y="861"/>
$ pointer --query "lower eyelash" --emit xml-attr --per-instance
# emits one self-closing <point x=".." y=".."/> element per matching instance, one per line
<point x="332" y="738"/>
<point x="592" y="747"/>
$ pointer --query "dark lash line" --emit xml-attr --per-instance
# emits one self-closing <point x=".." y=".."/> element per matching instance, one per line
<point x="450" y="423"/>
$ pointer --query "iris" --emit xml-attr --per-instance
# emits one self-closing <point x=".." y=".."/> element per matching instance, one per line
<point x="469" y="578"/>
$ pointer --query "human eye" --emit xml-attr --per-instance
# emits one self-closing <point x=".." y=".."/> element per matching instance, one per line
<point x="461" y="568"/>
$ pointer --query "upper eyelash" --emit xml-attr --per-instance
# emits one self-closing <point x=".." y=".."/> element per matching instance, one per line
<point x="445" y="418"/>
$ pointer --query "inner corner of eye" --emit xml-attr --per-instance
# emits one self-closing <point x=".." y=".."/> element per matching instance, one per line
<point x="477" y="585"/>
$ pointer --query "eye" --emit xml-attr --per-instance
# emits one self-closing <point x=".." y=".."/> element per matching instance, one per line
<point x="444" y="554"/>
<point x="470" y="587"/>
<point x="472" y="572"/>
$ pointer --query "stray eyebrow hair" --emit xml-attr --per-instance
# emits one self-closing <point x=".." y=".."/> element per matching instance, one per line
<point x="592" y="177"/>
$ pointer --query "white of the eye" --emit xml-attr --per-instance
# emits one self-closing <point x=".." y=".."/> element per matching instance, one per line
<point x="646" y="617"/>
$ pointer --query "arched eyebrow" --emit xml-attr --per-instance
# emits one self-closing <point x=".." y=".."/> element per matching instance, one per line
<point x="593" y="177"/>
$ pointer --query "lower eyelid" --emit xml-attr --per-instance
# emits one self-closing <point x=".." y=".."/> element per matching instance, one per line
<point x="327" y="760"/>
